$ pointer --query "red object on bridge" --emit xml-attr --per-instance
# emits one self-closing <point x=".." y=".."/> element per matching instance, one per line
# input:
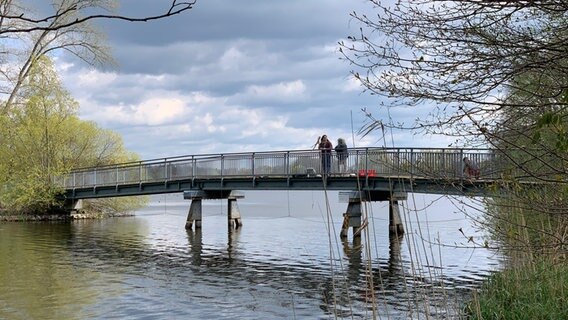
<point x="370" y="173"/>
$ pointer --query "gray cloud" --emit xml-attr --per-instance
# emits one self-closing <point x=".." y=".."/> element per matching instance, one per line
<point x="227" y="76"/>
<point x="223" y="20"/>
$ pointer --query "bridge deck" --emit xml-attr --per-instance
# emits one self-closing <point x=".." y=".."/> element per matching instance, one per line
<point x="380" y="169"/>
<point x="455" y="187"/>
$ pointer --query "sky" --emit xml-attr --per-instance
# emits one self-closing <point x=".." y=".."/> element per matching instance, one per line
<point x="232" y="76"/>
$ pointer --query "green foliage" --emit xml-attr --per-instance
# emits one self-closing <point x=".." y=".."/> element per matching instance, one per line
<point x="533" y="134"/>
<point x="27" y="191"/>
<point x="533" y="292"/>
<point x="529" y="227"/>
<point x="552" y="126"/>
<point x="548" y="118"/>
<point x="115" y="206"/>
<point x="44" y="138"/>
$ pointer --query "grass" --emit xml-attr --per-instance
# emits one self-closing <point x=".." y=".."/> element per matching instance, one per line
<point x="538" y="291"/>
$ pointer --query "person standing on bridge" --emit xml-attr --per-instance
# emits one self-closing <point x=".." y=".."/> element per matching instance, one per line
<point x="470" y="169"/>
<point x="341" y="153"/>
<point x="325" y="148"/>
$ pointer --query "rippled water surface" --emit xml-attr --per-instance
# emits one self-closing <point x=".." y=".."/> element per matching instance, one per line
<point x="286" y="262"/>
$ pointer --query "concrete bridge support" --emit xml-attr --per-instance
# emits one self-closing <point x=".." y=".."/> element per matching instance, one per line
<point x="73" y="206"/>
<point x="233" y="214"/>
<point x="352" y="218"/>
<point x="195" y="210"/>
<point x="395" y="222"/>
<point x="194" y="214"/>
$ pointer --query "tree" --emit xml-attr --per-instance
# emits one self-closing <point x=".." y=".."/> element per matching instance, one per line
<point x="49" y="140"/>
<point x="27" y="37"/>
<point x="463" y="57"/>
<point x="40" y="134"/>
<point x="538" y="127"/>
<point x="479" y="65"/>
<point x="489" y="73"/>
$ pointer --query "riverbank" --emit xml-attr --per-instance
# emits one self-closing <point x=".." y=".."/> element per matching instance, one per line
<point x="537" y="291"/>
<point x="81" y="215"/>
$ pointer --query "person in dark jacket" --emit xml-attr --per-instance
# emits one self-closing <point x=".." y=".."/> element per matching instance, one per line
<point x="341" y="154"/>
<point x="325" y="147"/>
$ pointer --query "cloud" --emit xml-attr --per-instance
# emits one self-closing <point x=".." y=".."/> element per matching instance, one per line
<point x="152" y="112"/>
<point x="352" y="85"/>
<point x="288" y="91"/>
<point x="232" y="59"/>
<point x="221" y="78"/>
<point x="95" y="78"/>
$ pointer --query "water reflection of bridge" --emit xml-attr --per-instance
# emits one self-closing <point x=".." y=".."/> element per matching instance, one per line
<point x="351" y="288"/>
<point x="369" y="174"/>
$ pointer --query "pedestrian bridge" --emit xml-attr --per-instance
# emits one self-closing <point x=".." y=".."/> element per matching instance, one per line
<point x="439" y="171"/>
<point x="368" y="174"/>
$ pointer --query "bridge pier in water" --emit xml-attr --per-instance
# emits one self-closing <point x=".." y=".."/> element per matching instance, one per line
<point x="395" y="222"/>
<point x="352" y="218"/>
<point x="194" y="215"/>
<point x="233" y="214"/>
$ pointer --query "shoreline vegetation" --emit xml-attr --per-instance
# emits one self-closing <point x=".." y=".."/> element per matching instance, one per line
<point x="535" y="291"/>
<point x="534" y="281"/>
<point x="61" y="216"/>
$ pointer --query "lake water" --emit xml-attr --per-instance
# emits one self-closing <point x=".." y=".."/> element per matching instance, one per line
<point x="285" y="262"/>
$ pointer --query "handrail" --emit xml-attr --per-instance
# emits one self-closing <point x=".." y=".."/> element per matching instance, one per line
<point x="430" y="163"/>
<point x="215" y="155"/>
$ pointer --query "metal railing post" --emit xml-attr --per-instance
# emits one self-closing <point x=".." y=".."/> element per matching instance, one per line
<point x="398" y="166"/>
<point x="360" y="163"/>
<point x="166" y="169"/>
<point x="444" y="161"/>
<point x="222" y="164"/>
<point x="287" y="163"/>
<point x="366" y="166"/>
<point x="412" y="162"/>
<point x="193" y="166"/>
<point x="460" y="173"/>
<point x="252" y="164"/>
<point x="366" y="161"/>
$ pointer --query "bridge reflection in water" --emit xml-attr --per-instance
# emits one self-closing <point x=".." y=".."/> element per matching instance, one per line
<point x="369" y="174"/>
<point x="353" y="281"/>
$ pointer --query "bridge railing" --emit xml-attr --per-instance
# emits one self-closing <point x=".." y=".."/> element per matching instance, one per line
<point x="365" y="162"/>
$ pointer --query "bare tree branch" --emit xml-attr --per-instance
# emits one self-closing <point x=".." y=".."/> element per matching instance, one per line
<point x="47" y="23"/>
